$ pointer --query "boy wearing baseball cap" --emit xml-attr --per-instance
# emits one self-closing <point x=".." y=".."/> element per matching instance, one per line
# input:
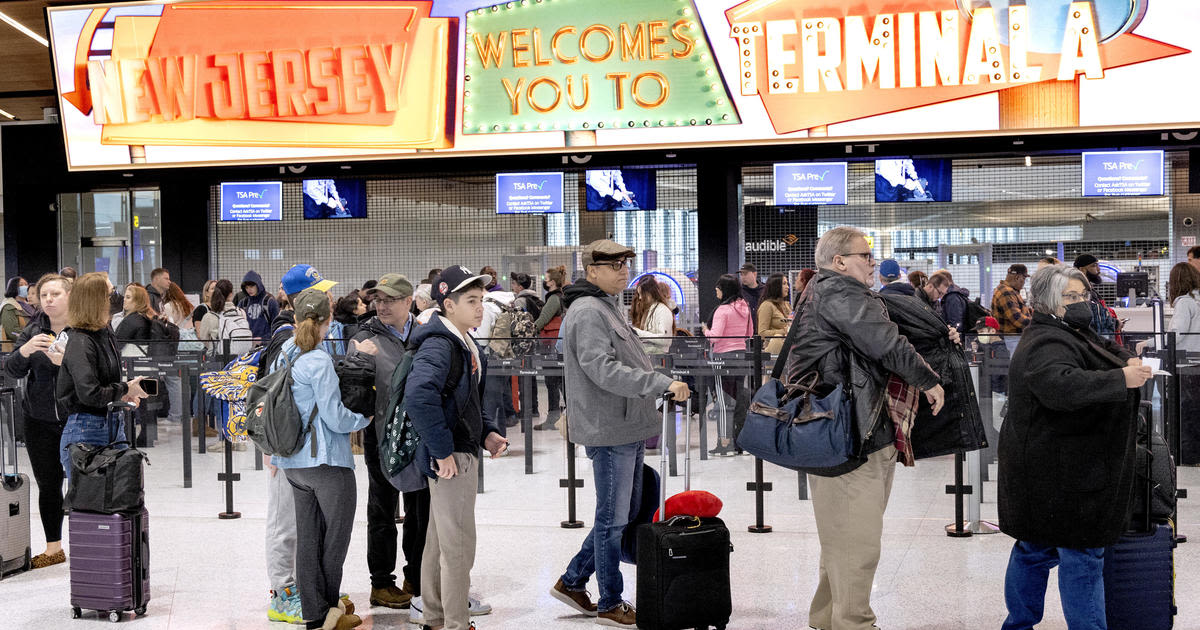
<point x="451" y="431"/>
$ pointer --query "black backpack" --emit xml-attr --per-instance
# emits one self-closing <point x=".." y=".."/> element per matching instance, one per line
<point x="165" y="338"/>
<point x="974" y="314"/>
<point x="356" y="379"/>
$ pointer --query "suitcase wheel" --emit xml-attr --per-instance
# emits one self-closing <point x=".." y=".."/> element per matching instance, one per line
<point x="114" y="616"/>
<point x="76" y="612"/>
<point x="140" y="610"/>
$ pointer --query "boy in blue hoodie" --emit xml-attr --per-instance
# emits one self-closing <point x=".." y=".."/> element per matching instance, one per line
<point x="261" y="308"/>
<point x="451" y="429"/>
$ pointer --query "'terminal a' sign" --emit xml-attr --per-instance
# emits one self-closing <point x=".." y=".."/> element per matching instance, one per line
<point x="571" y="65"/>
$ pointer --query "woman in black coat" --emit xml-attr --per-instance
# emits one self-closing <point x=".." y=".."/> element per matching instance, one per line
<point x="958" y="428"/>
<point x="1066" y="453"/>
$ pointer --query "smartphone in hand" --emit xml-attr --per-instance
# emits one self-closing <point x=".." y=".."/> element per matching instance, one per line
<point x="150" y="386"/>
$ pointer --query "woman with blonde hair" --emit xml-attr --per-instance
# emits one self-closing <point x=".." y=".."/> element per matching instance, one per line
<point x="90" y="376"/>
<point x="135" y="326"/>
<point x="37" y="359"/>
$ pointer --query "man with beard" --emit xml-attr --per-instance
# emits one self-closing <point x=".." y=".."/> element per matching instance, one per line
<point x="1104" y="320"/>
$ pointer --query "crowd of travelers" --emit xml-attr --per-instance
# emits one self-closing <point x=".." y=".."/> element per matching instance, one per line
<point x="898" y="350"/>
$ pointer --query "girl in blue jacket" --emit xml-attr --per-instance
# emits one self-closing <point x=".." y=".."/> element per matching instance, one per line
<point x="322" y="472"/>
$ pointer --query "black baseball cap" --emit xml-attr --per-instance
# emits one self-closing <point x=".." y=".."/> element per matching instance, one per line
<point x="454" y="278"/>
<point x="1084" y="260"/>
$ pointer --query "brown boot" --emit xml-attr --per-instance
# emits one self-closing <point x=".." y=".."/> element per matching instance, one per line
<point x="335" y="619"/>
<point x="390" y="597"/>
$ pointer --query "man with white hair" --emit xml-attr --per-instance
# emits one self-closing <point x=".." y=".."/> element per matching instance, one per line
<point x="841" y="328"/>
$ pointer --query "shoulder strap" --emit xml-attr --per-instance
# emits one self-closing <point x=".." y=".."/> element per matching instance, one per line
<point x="456" y="373"/>
<point x="788" y="341"/>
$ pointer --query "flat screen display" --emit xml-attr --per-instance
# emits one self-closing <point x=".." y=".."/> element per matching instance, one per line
<point x="1122" y="173"/>
<point x="621" y="189"/>
<point x="335" y="199"/>
<point x="912" y="180"/>
<point x="529" y="193"/>
<point x="810" y="184"/>
<point x="252" y="201"/>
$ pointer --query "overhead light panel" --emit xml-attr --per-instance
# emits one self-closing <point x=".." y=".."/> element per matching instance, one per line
<point x="21" y="27"/>
<point x="7" y="115"/>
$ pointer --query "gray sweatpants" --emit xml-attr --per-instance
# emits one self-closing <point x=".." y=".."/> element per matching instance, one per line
<point x="325" y="502"/>
<point x="450" y="546"/>
<point x="281" y="532"/>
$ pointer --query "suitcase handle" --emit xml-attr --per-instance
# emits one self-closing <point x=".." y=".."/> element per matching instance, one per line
<point x="8" y="432"/>
<point x="663" y="448"/>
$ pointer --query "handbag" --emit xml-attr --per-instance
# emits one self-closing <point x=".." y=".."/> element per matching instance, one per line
<point x="801" y="426"/>
<point x="106" y="479"/>
<point x="806" y="426"/>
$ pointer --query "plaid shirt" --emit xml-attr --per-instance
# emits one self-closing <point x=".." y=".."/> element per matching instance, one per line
<point x="902" y="401"/>
<point x="1009" y="309"/>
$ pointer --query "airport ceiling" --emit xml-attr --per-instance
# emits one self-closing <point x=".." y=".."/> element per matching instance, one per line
<point x="26" y="81"/>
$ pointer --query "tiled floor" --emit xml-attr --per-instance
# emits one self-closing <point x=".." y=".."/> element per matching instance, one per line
<point x="209" y="573"/>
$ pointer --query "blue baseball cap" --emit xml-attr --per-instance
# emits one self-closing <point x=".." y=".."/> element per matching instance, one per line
<point x="889" y="268"/>
<point x="301" y="277"/>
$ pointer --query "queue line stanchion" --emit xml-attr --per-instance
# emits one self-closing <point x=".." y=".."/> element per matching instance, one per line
<point x="802" y="485"/>
<point x="571" y="483"/>
<point x="229" y="477"/>
<point x="758" y="486"/>
<point x="528" y="382"/>
<point x="957" y="529"/>
<point x="1171" y="420"/>
<point x="185" y="420"/>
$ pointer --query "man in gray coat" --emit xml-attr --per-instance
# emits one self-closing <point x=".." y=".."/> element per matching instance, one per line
<point x="610" y="411"/>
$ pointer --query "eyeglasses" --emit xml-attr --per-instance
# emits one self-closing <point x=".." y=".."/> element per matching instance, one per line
<point x="1073" y="297"/>
<point x="867" y="256"/>
<point x="381" y="301"/>
<point x="615" y="265"/>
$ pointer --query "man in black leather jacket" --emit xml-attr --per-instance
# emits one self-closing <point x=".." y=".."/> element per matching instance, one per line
<point x="844" y="333"/>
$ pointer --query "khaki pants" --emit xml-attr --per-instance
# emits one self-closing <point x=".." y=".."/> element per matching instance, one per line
<point x="450" y="546"/>
<point x="849" y="512"/>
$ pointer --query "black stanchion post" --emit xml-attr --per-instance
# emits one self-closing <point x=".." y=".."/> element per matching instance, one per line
<point x="185" y="422"/>
<point x="758" y="486"/>
<point x="202" y="416"/>
<point x="955" y="529"/>
<point x="258" y="458"/>
<point x="1171" y="418"/>
<point x="571" y="483"/>
<point x="527" y="385"/>
<point x="483" y="454"/>
<point x="802" y="483"/>
<point x="229" y="477"/>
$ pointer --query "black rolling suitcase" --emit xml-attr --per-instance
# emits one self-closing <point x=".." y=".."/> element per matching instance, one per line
<point x="14" y="495"/>
<point x="1139" y="570"/>
<point x="683" y="563"/>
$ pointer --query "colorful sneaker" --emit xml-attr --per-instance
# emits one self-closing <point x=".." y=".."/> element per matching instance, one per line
<point x="285" y="607"/>
<point x="477" y="607"/>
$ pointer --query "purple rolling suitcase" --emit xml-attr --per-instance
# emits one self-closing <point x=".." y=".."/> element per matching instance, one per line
<point x="110" y="555"/>
<point x="110" y="563"/>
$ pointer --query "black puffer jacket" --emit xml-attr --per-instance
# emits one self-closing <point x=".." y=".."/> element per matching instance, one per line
<point x="90" y="376"/>
<point x="958" y="428"/>
<point x="843" y="331"/>
<point x="1067" y="444"/>
<point x="40" y="401"/>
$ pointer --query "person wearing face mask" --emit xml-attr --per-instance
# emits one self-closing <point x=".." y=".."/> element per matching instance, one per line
<point x="14" y="315"/>
<point x="1066" y="453"/>
<point x="1104" y="319"/>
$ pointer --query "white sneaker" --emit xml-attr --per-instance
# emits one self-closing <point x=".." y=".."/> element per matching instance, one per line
<point x="416" y="610"/>
<point x="477" y="607"/>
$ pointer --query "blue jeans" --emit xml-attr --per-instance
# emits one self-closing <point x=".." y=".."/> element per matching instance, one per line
<point x="1080" y="585"/>
<point x="85" y="428"/>
<point x="617" y="474"/>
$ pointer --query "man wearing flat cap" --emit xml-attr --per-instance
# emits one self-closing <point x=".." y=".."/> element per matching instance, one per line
<point x="389" y="329"/>
<point x="610" y="386"/>
<point x="1104" y="320"/>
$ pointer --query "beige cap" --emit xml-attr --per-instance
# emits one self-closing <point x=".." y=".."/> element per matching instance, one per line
<point x="605" y="250"/>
